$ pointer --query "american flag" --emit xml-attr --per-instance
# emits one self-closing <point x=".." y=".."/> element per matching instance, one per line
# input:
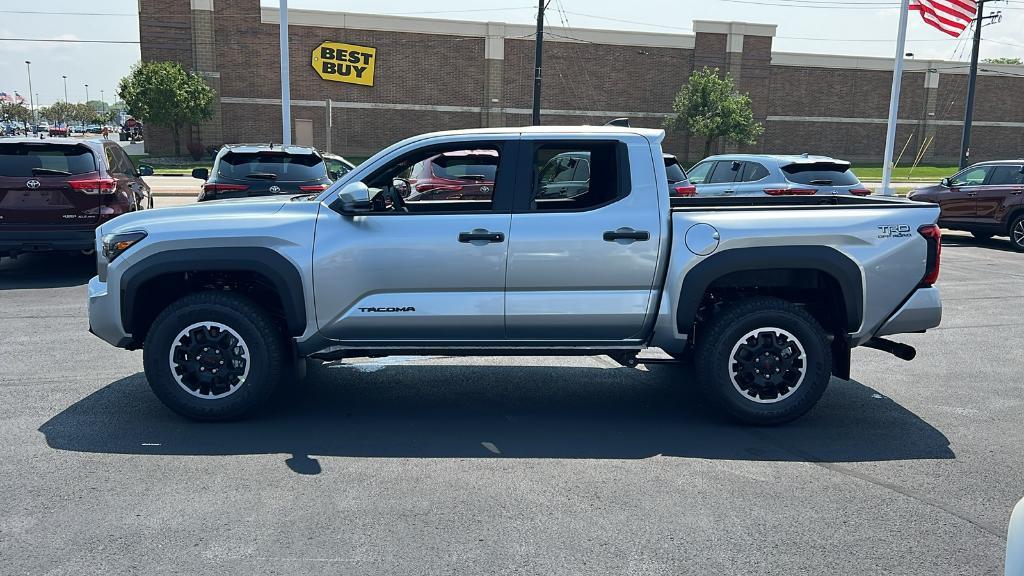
<point x="949" y="16"/>
<point x="5" y="97"/>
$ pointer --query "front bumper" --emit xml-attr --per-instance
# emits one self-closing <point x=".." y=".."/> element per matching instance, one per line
<point x="105" y="315"/>
<point x="923" y="310"/>
<point x="46" y="240"/>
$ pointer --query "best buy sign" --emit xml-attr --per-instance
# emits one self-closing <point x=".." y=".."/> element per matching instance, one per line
<point x="345" y="62"/>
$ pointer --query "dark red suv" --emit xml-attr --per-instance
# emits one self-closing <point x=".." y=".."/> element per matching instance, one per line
<point x="55" y="192"/>
<point x="985" y="199"/>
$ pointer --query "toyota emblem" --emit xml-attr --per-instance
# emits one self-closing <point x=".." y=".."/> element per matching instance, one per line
<point x="485" y="189"/>
<point x="275" y="189"/>
<point x="32" y="184"/>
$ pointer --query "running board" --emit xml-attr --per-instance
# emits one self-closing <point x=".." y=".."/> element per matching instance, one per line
<point x="341" y="352"/>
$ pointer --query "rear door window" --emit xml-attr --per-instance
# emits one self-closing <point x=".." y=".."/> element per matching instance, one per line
<point x="820" y="174"/>
<point x="752" y="172"/>
<point x="1005" y="176"/>
<point x="272" y="166"/>
<point x="725" y="171"/>
<point x="26" y="160"/>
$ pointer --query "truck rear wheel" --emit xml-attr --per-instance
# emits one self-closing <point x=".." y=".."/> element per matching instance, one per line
<point x="213" y="356"/>
<point x="764" y="360"/>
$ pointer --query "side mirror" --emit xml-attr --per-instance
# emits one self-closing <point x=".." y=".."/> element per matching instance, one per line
<point x="145" y="170"/>
<point x="402" y="186"/>
<point x="201" y="173"/>
<point x="354" y="198"/>
<point x="944" y="182"/>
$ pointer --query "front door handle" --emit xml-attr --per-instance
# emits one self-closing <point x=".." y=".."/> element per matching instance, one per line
<point x="626" y="234"/>
<point x="972" y="193"/>
<point x="1018" y="191"/>
<point x="480" y="235"/>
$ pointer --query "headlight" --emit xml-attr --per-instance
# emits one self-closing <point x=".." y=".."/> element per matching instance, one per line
<point x="115" y="244"/>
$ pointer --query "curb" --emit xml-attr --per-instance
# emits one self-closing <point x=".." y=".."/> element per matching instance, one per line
<point x="175" y="194"/>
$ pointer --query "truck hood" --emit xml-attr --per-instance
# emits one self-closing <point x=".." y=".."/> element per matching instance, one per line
<point x="216" y="214"/>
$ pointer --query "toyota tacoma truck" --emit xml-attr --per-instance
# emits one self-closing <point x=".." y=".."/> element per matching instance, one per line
<point x="768" y="295"/>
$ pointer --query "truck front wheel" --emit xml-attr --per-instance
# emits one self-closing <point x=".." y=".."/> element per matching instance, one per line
<point x="764" y="360"/>
<point x="213" y="356"/>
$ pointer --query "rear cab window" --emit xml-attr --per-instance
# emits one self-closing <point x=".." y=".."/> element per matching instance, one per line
<point x="271" y="165"/>
<point x="820" y="174"/>
<point x="574" y="176"/>
<point x="25" y="160"/>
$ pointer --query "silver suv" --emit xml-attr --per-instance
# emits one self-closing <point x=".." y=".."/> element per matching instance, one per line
<point x="774" y="175"/>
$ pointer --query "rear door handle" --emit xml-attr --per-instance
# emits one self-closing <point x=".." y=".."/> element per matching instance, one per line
<point x="480" y="235"/>
<point x="626" y="234"/>
<point x="1018" y="191"/>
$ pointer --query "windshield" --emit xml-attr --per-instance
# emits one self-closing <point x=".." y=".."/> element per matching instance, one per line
<point x="821" y="173"/>
<point x="272" y="166"/>
<point x="25" y="160"/>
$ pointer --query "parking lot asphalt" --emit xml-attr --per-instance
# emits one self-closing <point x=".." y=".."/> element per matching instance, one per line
<point x="511" y="465"/>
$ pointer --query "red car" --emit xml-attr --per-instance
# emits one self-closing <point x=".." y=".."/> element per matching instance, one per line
<point x="457" y="175"/>
<point x="55" y="192"/>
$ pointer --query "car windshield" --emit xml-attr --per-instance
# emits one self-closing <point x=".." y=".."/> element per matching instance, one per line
<point x="23" y="159"/>
<point x="481" y="167"/>
<point x="272" y="166"/>
<point x="821" y="174"/>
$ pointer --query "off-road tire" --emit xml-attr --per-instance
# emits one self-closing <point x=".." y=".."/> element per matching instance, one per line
<point x="717" y="366"/>
<point x="267" y="358"/>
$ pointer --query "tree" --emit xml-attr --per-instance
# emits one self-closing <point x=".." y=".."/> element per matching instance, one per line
<point x="165" y="94"/>
<point x="14" y="112"/>
<point x="710" y="106"/>
<point x="59" y="113"/>
<point x="1003" y="60"/>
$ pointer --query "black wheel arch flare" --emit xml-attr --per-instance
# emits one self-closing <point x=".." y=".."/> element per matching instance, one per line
<point x="281" y="273"/>
<point x="825" y="259"/>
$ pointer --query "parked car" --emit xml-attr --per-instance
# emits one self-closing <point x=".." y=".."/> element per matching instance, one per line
<point x="58" y="131"/>
<point x="774" y="175"/>
<point x="337" y="166"/>
<point x="246" y="170"/>
<point x="227" y="299"/>
<point x="454" y="175"/>
<point x="55" y="192"/>
<point x="43" y="127"/>
<point x="986" y="199"/>
<point x="678" y="181"/>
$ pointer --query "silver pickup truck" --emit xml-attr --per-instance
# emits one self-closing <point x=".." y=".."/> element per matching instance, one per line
<point x="768" y="295"/>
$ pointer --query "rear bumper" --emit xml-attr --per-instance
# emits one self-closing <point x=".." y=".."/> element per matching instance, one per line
<point x="923" y="310"/>
<point x="46" y="240"/>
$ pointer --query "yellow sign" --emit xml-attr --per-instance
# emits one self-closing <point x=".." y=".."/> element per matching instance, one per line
<point x="345" y="62"/>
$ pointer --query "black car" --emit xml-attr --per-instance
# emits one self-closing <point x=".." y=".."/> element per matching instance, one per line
<point x="244" y="170"/>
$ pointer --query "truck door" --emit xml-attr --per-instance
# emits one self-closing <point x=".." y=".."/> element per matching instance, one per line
<point x="581" y="266"/>
<point x="418" y="271"/>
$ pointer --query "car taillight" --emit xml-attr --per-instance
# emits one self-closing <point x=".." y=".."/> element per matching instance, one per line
<point x="860" y="191"/>
<point x="94" y="185"/>
<point x="208" y="187"/>
<point x="790" y="191"/>
<point x="681" y="190"/>
<point x="933" y="236"/>
<point x="315" y="187"/>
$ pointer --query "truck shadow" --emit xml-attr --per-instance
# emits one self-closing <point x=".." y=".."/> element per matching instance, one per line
<point x="46" y="270"/>
<point x="459" y="411"/>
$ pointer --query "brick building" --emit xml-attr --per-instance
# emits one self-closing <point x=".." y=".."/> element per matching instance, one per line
<point x="433" y="74"/>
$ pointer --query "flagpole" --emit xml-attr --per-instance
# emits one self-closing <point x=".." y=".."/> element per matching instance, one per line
<point x="894" y="100"/>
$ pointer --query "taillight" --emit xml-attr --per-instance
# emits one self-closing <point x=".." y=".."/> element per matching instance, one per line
<point x="315" y="187"/>
<point x="933" y="236"/>
<point x="681" y="190"/>
<point x="790" y="191"/>
<point x="208" y="187"/>
<point x="94" y="185"/>
<point x="860" y="191"/>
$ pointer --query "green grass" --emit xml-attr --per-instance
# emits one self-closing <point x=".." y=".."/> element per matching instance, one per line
<point x="162" y="169"/>
<point x="921" y="172"/>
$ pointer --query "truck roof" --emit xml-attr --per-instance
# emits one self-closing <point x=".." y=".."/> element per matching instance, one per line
<point x="653" y="133"/>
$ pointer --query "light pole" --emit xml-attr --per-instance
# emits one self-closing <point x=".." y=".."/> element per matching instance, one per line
<point x="31" y="102"/>
<point x="103" y="99"/>
<point x="86" y="93"/>
<point x="65" y="89"/>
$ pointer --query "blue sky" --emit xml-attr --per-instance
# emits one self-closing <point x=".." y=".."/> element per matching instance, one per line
<point x="855" y="27"/>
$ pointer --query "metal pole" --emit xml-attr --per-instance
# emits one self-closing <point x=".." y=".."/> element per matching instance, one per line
<point x="537" y="62"/>
<point x="31" y="101"/>
<point x="965" y="142"/>
<point x="65" y="89"/>
<point x="330" y="125"/>
<point x="894" y="100"/>
<point x="286" y="100"/>
<point x="86" y="93"/>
